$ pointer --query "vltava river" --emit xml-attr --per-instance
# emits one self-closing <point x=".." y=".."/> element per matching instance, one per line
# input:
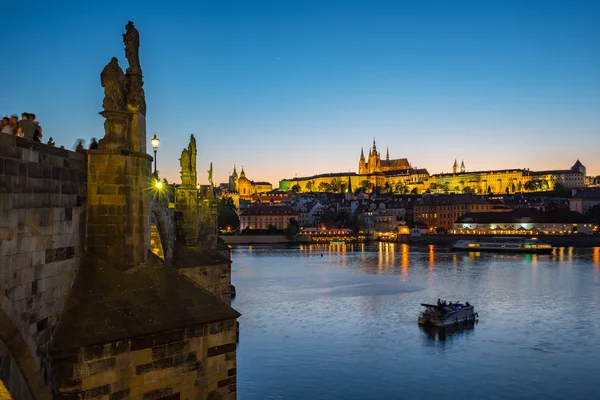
<point x="344" y="325"/>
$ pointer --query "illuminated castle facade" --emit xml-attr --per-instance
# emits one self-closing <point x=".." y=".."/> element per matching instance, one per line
<point x="399" y="176"/>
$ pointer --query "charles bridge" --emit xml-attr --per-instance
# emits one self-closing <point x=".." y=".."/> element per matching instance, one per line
<point x="111" y="288"/>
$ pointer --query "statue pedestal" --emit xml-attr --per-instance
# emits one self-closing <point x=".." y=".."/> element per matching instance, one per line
<point x="186" y="205"/>
<point x="118" y="207"/>
<point x="115" y="130"/>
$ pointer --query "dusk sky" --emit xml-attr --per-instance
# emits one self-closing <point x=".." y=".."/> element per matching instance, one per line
<point x="286" y="88"/>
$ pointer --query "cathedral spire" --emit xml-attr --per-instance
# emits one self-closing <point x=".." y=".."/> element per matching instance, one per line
<point x="387" y="154"/>
<point x="462" y="166"/>
<point x="362" y="154"/>
<point x="455" y="166"/>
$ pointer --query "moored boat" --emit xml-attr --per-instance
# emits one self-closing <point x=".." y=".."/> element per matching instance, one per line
<point x="446" y="314"/>
<point x="500" y="244"/>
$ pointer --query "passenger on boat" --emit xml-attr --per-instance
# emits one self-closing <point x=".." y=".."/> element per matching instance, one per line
<point x="467" y="304"/>
<point x="439" y="303"/>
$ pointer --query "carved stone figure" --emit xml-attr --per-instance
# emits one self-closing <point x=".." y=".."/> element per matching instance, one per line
<point x="210" y="175"/>
<point x="184" y="161"/>
<point x="193" y="153"/>
<point x="131" y="38"/>
<point x="113" y="82"/>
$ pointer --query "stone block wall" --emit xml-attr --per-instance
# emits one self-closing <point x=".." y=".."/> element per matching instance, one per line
<point x="214" y="278"/>
<point x="118" y="207"/>
<point x="186" y="208"/>
<point x="190" y="364"/>
<point x="207" y="218"/>
<point x="42" y="193"/>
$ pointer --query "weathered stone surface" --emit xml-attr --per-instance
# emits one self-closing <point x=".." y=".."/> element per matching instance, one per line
<point x="41" y="242"/>
<point x="208" y="268"/>
<point x="118" y="217"/>
<point x="106" y="305"/>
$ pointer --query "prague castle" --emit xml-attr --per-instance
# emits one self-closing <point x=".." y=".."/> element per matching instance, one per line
<point x="399" y="176"/>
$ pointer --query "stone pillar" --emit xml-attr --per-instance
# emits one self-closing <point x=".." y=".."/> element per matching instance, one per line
<point x="118" y="214"/>
<point x="186" y="206"/>
<point x="208" y="224"/>
<point x="137" y="128"/>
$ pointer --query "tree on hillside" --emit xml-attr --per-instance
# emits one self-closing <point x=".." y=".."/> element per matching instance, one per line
<point x="309" y="185"/>
<point x="336" y="185"/>
<point x="227" y="216"/>
<point x="366" y="186"/>
<point x="296" y="188"/>
<point x="324" y="187"/>
<point x="414" y="190"/>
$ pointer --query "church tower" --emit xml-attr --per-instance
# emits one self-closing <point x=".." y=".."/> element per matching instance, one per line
<point x="374" y="164"/>
<point x="462" y="166"/>
<point x="455" y="166"/>
<point x="362" y="164"/>
<point x="233" y="180"/>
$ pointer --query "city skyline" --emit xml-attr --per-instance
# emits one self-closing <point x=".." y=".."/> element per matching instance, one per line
<point x="297" y="89"/>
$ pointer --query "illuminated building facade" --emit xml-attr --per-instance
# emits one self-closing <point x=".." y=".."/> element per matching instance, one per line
<point x="440" y="211"/>
<point x="524" y="221"/>
<point x="261" y="217"/>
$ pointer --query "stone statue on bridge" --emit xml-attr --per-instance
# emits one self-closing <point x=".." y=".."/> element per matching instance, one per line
<point x="186" y="168"/>
<point x="193" y="153"/>
<point x="131" y="38"/>
<point x="113" y="82"/>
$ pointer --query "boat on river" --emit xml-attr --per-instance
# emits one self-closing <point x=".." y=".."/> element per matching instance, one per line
<point x="447" y="314"/>
<point x="503" y="244"/>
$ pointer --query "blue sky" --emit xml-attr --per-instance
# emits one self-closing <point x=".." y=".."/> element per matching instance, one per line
<point x="289" y="88"/>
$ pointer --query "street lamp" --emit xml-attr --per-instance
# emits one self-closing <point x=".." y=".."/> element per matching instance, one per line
<point x="155" y="142"/>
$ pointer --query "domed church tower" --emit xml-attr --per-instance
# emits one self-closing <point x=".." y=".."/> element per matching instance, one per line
<point x="244" y="185"/>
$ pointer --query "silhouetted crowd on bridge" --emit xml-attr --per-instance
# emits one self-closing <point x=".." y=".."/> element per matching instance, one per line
<point x="28" y="127"/>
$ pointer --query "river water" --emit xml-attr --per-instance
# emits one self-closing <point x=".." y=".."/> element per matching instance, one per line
<point x="340" y="322"/>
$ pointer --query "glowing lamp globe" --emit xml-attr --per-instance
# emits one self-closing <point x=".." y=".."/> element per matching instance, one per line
<point x="155" y="142"/>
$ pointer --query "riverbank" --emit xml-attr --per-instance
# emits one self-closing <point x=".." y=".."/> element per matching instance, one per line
<point x="256" y="239"/>
<point x="554" y="240"/>
<point x="442" y="240"/>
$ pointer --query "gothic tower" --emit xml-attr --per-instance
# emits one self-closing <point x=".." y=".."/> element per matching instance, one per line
<point x="362" y="164"/>
<point x="462" y="166"/>
<point x="455" y="166"/>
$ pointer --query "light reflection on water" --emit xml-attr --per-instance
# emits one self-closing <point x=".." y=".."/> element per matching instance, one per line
<point x="339" y="322"/>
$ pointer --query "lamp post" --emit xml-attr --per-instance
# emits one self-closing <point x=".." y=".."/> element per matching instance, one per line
<point x="155" y="142"/>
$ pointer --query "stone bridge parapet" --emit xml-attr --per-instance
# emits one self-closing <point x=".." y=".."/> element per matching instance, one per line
<point x="42" y="198"/>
